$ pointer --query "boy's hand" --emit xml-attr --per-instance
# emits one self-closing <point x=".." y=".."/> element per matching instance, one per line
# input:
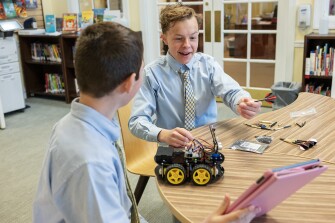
<point x="177" y="137"/>
<point x="248" y="108"/>
<point x="240" y="216"/>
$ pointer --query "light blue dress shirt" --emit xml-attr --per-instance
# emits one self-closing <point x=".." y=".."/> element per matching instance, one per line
<point x="82" y="178"/>
<point x="160" y="100"/>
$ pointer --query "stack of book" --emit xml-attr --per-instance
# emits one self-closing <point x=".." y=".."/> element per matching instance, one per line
<point x="320" y="61"/>
<point x="46" y="52"/>
<point x="74" y="22"/>
<point x="318" y="88"/>
<point x="54" y="84"/>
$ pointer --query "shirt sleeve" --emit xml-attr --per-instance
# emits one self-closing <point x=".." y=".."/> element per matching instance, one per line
<point x="142" y="122"/>
<point x="92" y="194"/>
<point x="226" y="87"/>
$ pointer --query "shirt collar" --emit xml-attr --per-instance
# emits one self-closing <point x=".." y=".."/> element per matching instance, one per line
<point x="175" y="65"/>
<point x="108" y="128"/>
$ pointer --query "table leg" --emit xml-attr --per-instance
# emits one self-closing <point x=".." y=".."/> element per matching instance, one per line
<point x="2" y="117"/>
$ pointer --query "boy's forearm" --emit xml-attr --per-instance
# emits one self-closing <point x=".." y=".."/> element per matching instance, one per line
<point x="144" y="129"/>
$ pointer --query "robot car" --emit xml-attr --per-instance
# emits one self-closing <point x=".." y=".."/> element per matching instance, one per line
<point x="197" y="162"/>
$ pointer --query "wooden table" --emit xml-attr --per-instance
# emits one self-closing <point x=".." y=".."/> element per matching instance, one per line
<point x="315" y="202"/>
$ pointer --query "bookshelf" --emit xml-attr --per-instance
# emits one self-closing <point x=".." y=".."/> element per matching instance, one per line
<point x="68" y="43"/>
<point x="35" y="69"/>
<point x="317" y="76"/>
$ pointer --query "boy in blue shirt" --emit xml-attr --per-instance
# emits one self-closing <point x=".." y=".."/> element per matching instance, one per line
<point x="159" y="112"/>
<point x="83" y="177"/>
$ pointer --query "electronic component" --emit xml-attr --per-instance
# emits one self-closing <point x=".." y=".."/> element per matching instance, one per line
<point x="199" y="162"/>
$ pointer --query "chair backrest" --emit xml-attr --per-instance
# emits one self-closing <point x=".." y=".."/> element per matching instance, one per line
<point x="139" y="153"/>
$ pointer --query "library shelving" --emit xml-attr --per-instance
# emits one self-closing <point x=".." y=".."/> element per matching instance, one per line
<point x="319" y="64"/>
<point x="42" y="55"/>
<point x="68" y="49"/>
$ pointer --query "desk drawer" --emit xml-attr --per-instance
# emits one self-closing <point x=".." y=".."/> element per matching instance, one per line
<point x="8" y="58"/>
<point x="7" y="46"/>
<point x="11" y="92"/>
<point x="9" y="68"/>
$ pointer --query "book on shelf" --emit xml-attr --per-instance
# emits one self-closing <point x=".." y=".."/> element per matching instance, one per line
<point x="110" y="15"/>
<point x="54" y="83"/>
<point x="9" y="8"/>
<point x="50" y="23"/>
<point x="59" y="24"/>
<point x="318" y="88"/>
<point x="53" y="52"/>
<point x="70" y="22"/>
<point x="46" y="52"/>
<point x="86" y="18"/>
<point x="33" y="51"/>
<point x="320" y="61"/>
<point x="312" y="63"/>
<point x="20" y="8"/>
<point x="79" y="21"/>
<point x="98" y="15"/>
<point x="307" y="66"/>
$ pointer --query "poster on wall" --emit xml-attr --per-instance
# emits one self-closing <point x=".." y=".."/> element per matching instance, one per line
<point x="31" y="4"/>
<point x="9" y="9"/>
<point x="2" y="11"/>
<point x="20" y="8"/>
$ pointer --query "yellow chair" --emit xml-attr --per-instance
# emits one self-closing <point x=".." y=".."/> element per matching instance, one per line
<point x="139" y="153"/>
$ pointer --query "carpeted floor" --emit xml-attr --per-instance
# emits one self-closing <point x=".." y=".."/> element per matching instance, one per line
<point x="22" y="147"/>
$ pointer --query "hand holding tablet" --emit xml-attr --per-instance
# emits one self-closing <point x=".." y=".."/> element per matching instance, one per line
<point x="276" y="185"/>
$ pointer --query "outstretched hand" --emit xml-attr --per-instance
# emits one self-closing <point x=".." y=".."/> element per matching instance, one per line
<point x="248" y="108"/>
<point x="240" y="216"/>
<point x="177" y="137"/>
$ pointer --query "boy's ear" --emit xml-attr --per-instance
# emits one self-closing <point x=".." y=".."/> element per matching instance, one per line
<point x="128" y="84"/>
<point x="163" y="37"/>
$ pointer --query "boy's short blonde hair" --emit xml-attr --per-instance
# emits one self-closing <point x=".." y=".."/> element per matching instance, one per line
<point x="175" y="13"/>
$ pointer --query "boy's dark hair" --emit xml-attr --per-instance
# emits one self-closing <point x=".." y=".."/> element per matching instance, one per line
<point x="106" y="54"/>
<point x="175" y="13"/>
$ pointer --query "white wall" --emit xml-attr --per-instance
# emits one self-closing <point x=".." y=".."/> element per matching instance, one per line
<point x="55" y="7"/>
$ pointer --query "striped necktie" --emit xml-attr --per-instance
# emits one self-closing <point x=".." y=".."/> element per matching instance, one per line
<point x="189" y="102"/>
<point x="134" y="212"/>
